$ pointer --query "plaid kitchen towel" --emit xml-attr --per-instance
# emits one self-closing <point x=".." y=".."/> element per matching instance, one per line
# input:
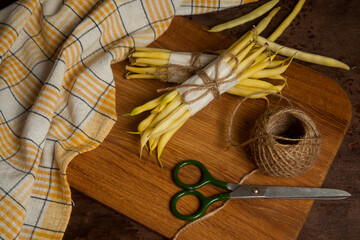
<point x="57" y="95"/>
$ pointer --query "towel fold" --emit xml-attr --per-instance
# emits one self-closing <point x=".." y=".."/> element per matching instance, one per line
<point x="57" y="95"/>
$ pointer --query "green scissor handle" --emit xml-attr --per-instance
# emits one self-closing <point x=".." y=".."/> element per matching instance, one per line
<point x="206" y="177"/>
<point x="205" y="202"/>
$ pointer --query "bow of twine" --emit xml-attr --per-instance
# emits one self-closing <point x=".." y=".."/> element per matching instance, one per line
<point x="210" y="85"/>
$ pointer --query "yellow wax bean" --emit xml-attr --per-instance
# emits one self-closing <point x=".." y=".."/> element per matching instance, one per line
<point x="278" y="77"/>
<point x="164" y="139"/>
<point x="276" y="63"/>
<point x="152" y="145"/>
<point x="165" y="123"/>
<point x="147" y="106"/>
<point x="157" y="55"/>
<point x="241" y="43"/>
<point x="265" y="56"/>
<point x="241" y="55"/>
<point x="143" y="70"/>
<point x="150" y="61"/>
<point x="144" y="138"/>
<point x="230" y="49"/>
<point x="252" y="90"/>
<point x="142" y="76"/>
<point x="247" y="61"/>
<point x="303" y="56"/>
<point x="245" y="91"/>
<point x="166" y="111"/>
<point x="269" y="72"/>
<point x="252" y="70"/>
<point x="280" y="87"/>
<point x="169" y="97"/>
<point x="255" y="83"/>
<point x="265" y="21"/>
<point x="159" y="108"/>
<point x="258" y="86"/>
<point x="245" y="18"/>
<point x="138" y="64"/>
<point x="261" y="58"/>
<point x="257" y="30"/>
<point x="287" y="21"/>
<point x="174" y="124"/>
<point x="146" y="122"/>
<point x="148" y="49"/>
<point x="151" y="141"/>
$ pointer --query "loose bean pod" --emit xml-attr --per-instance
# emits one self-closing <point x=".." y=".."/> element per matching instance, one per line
<point x="303" y="56"/>
<point x="246" y="18"/>
<point x="279" y="30"/>
<point x="265" y="21"/>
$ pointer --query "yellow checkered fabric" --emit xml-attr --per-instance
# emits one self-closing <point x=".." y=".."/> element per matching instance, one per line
<point x="57" y="95"/>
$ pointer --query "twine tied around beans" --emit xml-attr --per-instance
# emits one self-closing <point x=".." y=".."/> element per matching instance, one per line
<point x="170" y="70"/>
<point x="210" y="85"/>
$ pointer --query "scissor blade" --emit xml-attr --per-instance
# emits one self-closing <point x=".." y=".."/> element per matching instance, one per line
<point x="306" y="193"/>
<point x="289" y="193"/>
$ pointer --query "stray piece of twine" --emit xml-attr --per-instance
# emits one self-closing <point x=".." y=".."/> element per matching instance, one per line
<point x="209" y="214"/>
<point x="210" y="85"/>
<point x="231" y="123"/>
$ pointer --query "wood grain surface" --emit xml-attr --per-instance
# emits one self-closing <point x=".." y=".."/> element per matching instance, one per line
<point x="114" y="175"/>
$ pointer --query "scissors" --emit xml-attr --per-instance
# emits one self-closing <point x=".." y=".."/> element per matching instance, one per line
<point x="242" y="191"/>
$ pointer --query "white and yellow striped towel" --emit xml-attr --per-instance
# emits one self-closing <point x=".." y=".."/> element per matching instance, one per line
<point x="57" y="95"/>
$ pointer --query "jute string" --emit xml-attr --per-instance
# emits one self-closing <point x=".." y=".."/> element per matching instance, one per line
<point x="284" y="141"/>
<point x="232" y="117"/>
<point x="209" y="85"/>
<point x="168" y="71"/>
<point x="274" y="154"/>
<point x="209" y="214"/>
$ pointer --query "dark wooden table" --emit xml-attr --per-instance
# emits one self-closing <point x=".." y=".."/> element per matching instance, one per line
<point x="329" y="28"/>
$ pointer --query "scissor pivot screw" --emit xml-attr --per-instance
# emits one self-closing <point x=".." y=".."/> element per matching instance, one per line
<point x="255" y="190"/>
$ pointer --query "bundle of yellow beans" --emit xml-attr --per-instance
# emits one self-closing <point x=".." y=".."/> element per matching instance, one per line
<point x="146" y="61"/>
<point x="171" y="110"/>
<point x="244" y="69"/>
<point x="155" y="63"/>
<point x="247" y="87"/>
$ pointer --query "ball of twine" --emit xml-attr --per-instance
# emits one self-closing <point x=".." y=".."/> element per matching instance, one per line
<point x="285" y="142"/>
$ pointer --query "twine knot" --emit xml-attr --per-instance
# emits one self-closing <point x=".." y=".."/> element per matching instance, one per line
<point x="210" y="85"/>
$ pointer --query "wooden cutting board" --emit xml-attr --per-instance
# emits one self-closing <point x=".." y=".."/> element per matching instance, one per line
<point x="114" y="175"/>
